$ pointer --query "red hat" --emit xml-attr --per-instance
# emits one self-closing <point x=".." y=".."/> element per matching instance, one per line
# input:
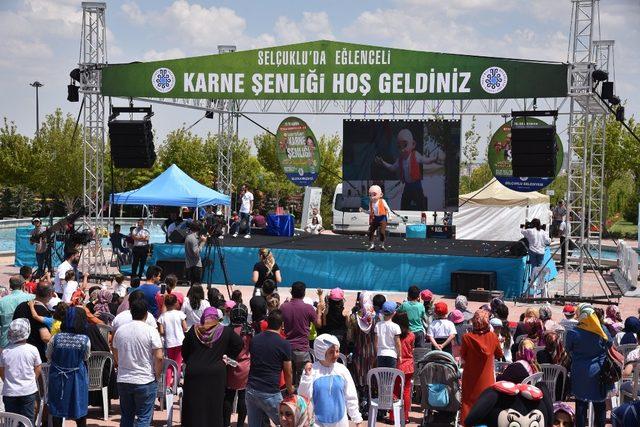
<point x="426" y="295"/>
<point x="569" y="309"/>
<point x="441" y="308"/>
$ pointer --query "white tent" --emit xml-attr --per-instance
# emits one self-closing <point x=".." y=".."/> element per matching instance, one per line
<point x="495" y="212"/>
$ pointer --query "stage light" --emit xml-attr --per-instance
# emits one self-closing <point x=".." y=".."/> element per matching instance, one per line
<point x="75" y="74"/>
<point x="600" y="75"/>
<point x="620" y="114"/>
<point x="209" y="114"/>
<point x="614" y="100"/>
<point x="72" y="93"/>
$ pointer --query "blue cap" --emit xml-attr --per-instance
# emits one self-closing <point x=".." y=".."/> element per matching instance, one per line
<point x="389" y="307"/>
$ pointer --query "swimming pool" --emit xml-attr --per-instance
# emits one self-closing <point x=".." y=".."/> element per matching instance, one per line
<point x="8" y="236"/>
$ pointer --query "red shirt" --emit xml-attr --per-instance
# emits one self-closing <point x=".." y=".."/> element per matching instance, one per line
<point x="30" y="287"/>
<point x="406" y="350"/>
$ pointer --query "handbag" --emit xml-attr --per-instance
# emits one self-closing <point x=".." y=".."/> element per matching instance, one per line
<point x="611" y="370"/>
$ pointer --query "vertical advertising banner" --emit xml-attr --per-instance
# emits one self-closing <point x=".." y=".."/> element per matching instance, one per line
<point x="499" y="158"/>
<point x="297" y="150"/>
<point x="415" y="162"/>
<point x="312" y="198"/>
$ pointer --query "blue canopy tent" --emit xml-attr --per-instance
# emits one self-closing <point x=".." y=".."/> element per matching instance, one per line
<point x="172" y="187"/>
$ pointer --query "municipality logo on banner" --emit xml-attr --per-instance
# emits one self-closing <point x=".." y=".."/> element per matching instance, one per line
<point x="163" y="80"/>
<point x="493" y="80"/>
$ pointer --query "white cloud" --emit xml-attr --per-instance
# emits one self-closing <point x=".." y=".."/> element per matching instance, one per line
<point x="154" y="55"/>
<point x="312" y="26"/>
<point x="133" y="13"/>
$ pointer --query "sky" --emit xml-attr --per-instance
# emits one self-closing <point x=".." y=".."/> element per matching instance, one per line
<point x="40" y="39"/>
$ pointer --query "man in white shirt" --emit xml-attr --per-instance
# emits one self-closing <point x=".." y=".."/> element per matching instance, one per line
<point x="137" y="350"/>
<point x="71" y="258"/>
<point x="246" y="207"/>
<point x="538" y="240"/>
<point x="125" y="317"/>
<point x="140" y="237"/>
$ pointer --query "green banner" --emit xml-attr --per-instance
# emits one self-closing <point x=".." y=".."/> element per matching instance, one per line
<point x="339" y="71"/>
<point x="297" y="151"/>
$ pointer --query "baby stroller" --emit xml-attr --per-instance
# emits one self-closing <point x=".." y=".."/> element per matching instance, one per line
<point x="440" y="388"/>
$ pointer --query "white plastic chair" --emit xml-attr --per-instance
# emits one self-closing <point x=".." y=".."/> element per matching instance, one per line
<point x="635" y="384"/>
<point x="96" y="364"/>
<point x="385" y="380"/>
<point x="8" y="419"/>
<point x="533" y="379"/>
<point x="43" y="392"/>
<point x="550" y="375"/>
<point x="166" y="394"/>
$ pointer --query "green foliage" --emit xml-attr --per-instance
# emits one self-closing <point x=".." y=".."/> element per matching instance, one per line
<point x="478" y="179"/>
<point x="57" y="165"/>
<point x="624" y="230"/>
<point x="470" y="150"/>
<point x="559" y="187"/>
<point x="187" y="151"/>
<point x="330" y="174"/>
<point x="619" y="192"/>
<point x="630" y="211"/>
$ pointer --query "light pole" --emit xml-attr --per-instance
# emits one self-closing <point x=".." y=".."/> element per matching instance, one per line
<point x="37" y="85"/>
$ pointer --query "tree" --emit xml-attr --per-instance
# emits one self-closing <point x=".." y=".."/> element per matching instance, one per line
<point x="330" y="150"/>
<point x="470" y="150"/>
<point x="187" y="151"/>
<point x="478" y="179"/>
<point x="58" y="160"/>
<point x="16" y="163"/>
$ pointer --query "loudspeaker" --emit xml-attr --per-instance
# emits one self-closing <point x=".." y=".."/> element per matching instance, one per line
<point x="172" y="266"/>
<point x="533" y="150"/>
<point x="132" y="143"/>
<point x="463" y="281"/>
<point x="607" y="90"/>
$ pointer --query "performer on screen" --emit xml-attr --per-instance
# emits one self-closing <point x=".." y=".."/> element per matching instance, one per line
<point x="379" y="211"/>
<point x="408" y="168"/>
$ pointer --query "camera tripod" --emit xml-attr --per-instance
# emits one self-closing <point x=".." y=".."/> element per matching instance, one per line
<point x="209" y="264"/>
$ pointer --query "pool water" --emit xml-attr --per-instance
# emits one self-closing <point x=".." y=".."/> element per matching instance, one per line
<point x="8" y="237"/>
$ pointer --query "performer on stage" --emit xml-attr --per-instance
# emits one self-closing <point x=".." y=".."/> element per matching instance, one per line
<point x="408" y="168"/>
<point x="192" y="246"/>
<point x="379" y="211"/>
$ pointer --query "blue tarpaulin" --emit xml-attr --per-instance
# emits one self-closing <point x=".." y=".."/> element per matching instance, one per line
<point x="26" y="252"/>
<point x="350" y="270"/>
<point x="172" y="187"/>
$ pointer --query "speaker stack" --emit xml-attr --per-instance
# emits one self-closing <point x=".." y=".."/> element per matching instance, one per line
<point x="533" y="150"/>
<point x="132" y="140"/>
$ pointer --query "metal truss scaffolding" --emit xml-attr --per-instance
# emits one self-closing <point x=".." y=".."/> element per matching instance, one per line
<point x="585" y="152"/>
<point x="93" y="56"/>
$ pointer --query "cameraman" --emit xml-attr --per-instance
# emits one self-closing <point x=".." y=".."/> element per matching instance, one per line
<point x="538" y="240"/>
<point x="192" y="246"/>
<point x="40" y="242"/>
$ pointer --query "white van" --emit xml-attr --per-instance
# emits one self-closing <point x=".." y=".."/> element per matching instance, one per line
<point x="347" y="218"/>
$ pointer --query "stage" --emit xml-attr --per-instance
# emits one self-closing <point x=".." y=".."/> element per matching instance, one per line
<point x="327" y="261"/>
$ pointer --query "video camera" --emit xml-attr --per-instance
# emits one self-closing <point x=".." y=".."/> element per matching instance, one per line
<point x="213" y="226"/>
<point x="529" y="224"/>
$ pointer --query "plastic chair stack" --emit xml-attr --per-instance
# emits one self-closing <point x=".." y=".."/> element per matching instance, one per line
<point x="550" y="375"/>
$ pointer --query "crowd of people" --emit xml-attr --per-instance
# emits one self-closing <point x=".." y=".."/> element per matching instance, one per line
<point x="298" y="360"/>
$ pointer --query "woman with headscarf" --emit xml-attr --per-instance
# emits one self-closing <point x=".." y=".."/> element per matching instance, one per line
<point x="524" y="363"/>
<point x="103" y="304"/>
<point x="563" y="415"/>
<point x="334" y="322"/>
<point x="548" y="323"/>
<point x="205" y="376"/>
<point x="630" y="333"/>
<point x="362" y="324"/>
<point x="296" y="411"/>
<point x="462" y="304"/>
<point x="555" y="354"/>
<point x="479" y="350"/>
<point x="67" y="353"/>
<point x="237" y="376"/>
<point x="329" y="386"/>
<point x="613" y="320"/>
<point x="587" y="345"/>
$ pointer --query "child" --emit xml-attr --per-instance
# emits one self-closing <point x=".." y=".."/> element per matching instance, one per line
<point x="379" y="211"/>
<point x="52" y="323"/>
<point x="172" y="326"/>
<point x="387" y="339"/>
<point x="441" y="331"/>
<point x="237" y="295"/>
<point x="27" y="274"/>
<point x="329" y="386"/>
<point x="406" y="346"/>
<point x="427" y="301"/>
<point x="19" y="369"/>
<point x="120" y="289"/>
<point x="457" y="318"/>
<point x="228" y="306"/>
<point x="415" y="312"/>
<point x="172" y="281"/>
<point x="70" y="286"/>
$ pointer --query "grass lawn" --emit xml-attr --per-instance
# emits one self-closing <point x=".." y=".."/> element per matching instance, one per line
<point x="624" y="228"/>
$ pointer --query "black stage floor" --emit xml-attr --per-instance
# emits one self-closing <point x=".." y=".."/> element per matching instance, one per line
<point x="324" y="242"/>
